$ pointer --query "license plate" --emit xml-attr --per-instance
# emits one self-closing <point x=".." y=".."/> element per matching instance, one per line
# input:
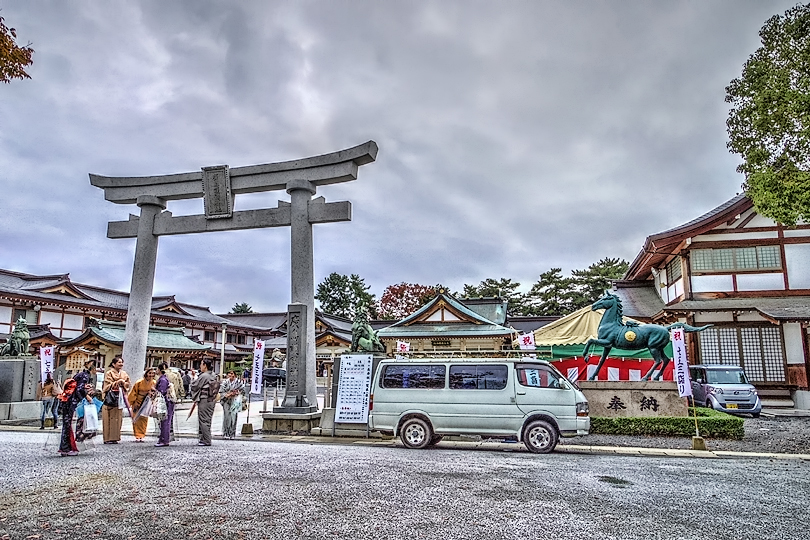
<point x="731" y="406"/>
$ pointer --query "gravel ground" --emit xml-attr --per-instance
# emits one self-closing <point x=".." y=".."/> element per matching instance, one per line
<point x="778" y="434"/>
<point x="251" y="490"/>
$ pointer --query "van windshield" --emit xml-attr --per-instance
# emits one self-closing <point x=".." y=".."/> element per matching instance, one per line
<point x="726" y="376"/>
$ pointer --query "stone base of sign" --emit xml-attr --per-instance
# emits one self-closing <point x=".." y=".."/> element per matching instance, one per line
<point x="633" y="398"/>
<point x="275" y="422"/>
<point x="328" y="428"/>
<point x="801" y="399"/>
<point x="20" y="411"/>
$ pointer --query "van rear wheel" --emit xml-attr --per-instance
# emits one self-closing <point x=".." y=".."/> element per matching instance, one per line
<point x="436" y="439"/>
<point x="540" y="437"/>
<point x="416" y="433"/>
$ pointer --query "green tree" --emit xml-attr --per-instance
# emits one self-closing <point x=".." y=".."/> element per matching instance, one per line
<point x="554" y="294"/>
<point x="341" y="295"/>
<point x="551" y="295"/>
<point x="241" y="308"/>
<point x="769" y="121"/>
<point x="497" y="288"/>
<point x="400" y="300"/>
<point x="13" y="58"/>
<point x="590" y="284"/>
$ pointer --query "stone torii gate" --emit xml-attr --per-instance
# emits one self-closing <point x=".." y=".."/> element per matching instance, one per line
<point x="218" y="186"/>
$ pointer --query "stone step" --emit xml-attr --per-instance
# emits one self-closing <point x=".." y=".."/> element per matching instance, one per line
<point x="771" y="403"/>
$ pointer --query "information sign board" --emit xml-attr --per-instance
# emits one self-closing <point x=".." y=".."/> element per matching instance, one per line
<point x="354" y="387"/>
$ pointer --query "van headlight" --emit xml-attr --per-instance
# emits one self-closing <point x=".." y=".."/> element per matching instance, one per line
<point x="582" y="408"/>
<point x="714" y="390"/>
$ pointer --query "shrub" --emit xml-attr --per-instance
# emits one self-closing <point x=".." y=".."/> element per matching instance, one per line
<point x="712" y="424"/>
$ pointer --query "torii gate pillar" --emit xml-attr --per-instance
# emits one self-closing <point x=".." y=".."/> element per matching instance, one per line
<point x="218" y="186"/>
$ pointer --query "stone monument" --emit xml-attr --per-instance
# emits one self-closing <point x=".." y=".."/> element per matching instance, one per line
<point x="19" y="376"/>
<point x="218" y="186"/>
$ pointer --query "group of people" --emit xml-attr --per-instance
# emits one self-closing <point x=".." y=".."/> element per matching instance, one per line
<point x="79" y="397"/>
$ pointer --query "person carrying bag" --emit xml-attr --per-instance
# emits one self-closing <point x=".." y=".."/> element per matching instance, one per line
<point x="116" y="382"/>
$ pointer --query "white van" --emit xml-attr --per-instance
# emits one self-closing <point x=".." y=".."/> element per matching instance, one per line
<point x="423" y="399"/>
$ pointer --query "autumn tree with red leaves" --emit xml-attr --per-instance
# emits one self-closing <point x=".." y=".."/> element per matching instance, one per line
<point x="400" y="300"/>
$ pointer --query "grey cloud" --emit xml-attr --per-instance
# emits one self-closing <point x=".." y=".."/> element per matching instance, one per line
<point x="513" y="136"/>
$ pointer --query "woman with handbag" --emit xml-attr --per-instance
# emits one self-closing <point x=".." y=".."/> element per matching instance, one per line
<point x="231" y="400"/>
<point x="47" y="393"/>
<point x="116" y="382"/>
<point x="140" y="391"/>
<point x="166" y="389"/>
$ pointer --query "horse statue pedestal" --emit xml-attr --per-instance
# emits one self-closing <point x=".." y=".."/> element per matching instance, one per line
<point x="613" y="399"/>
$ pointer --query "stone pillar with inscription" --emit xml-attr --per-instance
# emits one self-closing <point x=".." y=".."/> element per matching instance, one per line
<point x="297" y="397"/>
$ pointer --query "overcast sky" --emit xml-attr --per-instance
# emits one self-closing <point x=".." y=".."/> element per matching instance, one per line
<point x="513" y="136"/>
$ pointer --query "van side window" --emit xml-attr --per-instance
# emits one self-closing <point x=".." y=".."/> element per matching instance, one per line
<point x="535" y="376"/>
<point x="478" y="377"/>
<point x="410" y="376"/>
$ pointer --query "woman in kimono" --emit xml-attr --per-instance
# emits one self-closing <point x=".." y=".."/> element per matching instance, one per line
<point x="231" y="400"/>
<point x="140" y="390"/>
<point x="164" y="386"/>
<point x="48" y="393"/>
<point x="115" y="378"/>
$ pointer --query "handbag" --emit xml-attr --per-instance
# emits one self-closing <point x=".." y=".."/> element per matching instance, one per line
<point x="121" y="398"/>
<point x="159" y="409"/>
<point x="145" y="409"/>
<point x="111" y="398"/>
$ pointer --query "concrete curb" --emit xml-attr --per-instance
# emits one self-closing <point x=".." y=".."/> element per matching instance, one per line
<point x="488" y="445"/>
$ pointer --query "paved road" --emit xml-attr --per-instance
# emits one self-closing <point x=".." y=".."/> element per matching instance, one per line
<point x="258" y="489"/>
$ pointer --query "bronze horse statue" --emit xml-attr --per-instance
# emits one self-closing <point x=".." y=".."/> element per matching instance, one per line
<point x="631" y="336"/>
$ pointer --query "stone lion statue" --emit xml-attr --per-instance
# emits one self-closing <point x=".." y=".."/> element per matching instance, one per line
<point x="364" y="338"/>
<point x="18" y="342"/>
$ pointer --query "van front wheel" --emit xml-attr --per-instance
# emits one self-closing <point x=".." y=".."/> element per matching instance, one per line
<point x="416" y="433"/>
<point x="540" y="437"/>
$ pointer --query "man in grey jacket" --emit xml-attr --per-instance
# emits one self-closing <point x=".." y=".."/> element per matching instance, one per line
<point x="204" y="390"/>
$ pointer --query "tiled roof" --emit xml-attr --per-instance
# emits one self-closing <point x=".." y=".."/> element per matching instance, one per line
<point x="159" y="338"/>
<point x="27" y="286"/>
<point x="659" y="246"/>
<point x="267" y="321"/>
<point x="526" y="324"/>
<point x="777" y="308"/>
<point x="492" y="309"/>
<point x="639" y="299"/>
<point x="438" y="330"/>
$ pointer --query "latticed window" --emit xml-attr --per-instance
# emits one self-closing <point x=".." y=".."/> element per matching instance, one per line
<point x="730" y="259"/>
<point x="757" y="349"/>
<point x="674" y="270"/>
<point x="768" y="257"/>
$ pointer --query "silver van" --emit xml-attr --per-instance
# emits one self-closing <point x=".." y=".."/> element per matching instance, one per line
<point x="421" y="400"/>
